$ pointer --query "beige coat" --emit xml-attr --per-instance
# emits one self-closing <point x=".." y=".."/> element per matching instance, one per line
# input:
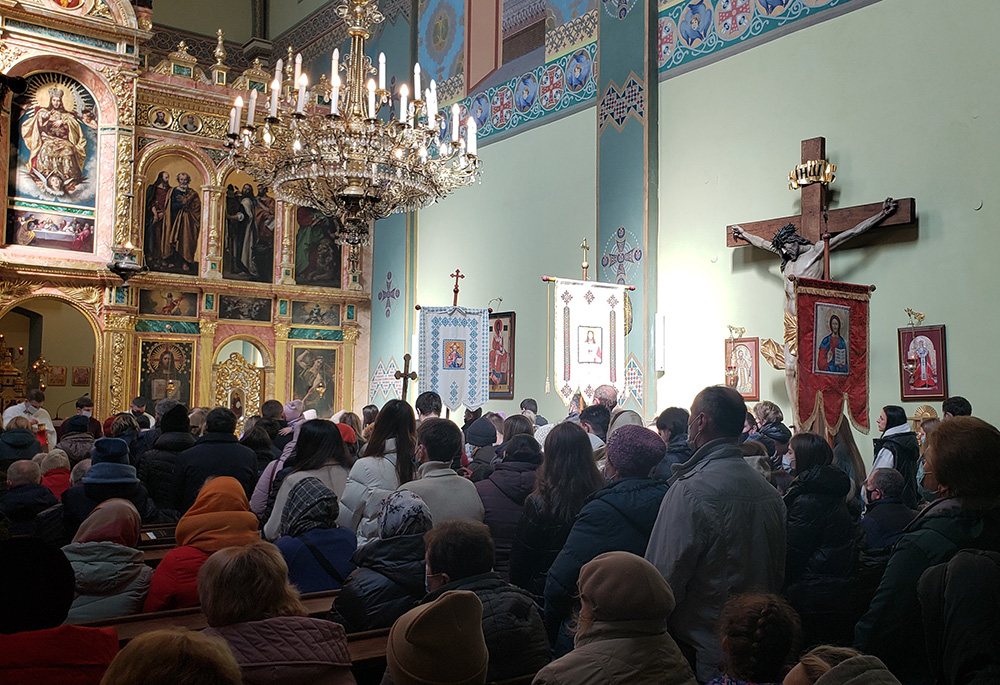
<point x="621" y="652"/>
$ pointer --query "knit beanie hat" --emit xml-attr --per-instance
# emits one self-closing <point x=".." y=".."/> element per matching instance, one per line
<point x="481" y="433"/>
<point x="110" y="463"/>
<point x="621" y="586"/>
<point x="439" y="643"/>
<point x="176" y="420"/>
<point x="635" y="450"/>
<point x="76" y="424"/>
<point x="293" y="410"/>
<point x="347" y="433"/>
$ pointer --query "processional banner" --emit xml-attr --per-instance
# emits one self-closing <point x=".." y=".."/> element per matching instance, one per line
<point x="454" y="355"/>
<point x="832" y="352"/>
<point x="589" y="337"/>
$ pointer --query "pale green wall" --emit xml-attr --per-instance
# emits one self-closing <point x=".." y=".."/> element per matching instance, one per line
<point x="527" y="218"/>
<point x="284" y="14"/>
<point x="232" y="16"/>
<point x="901" y="90"/>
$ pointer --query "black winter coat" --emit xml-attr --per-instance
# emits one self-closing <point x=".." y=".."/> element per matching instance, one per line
<point x="388" y="582"/>
<point x="822" y="553"/>
<point x="512" y="626"/>
<point x="503" y="495"/>
<point x="17" y="443"/>
<point x="618" y="517"/>
<point x="159" y="464"/>
<point x="215" y="454"/>
<point x="906" y="449"/>
<point x="82" y="499"/>
<point x="678" y="452"/>
<point x="884" y="522"/>
<point x="538" y="539"/>
<point x="23" y="503"/>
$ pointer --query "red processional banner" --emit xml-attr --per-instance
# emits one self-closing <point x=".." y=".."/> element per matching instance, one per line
<point x="832" y="352"/>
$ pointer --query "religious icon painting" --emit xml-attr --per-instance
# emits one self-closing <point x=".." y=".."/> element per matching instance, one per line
<point x="79" y="7"/>
<point x="315" y="314"/>
<point x="166" y="369"/>
<point x="526" y="92"/>
<point x="318" y="257"/>
<point x="172" y="215"/>
<point x="743" y="367"/>
<point x="832" y="339"/>
<point x="81" y="376"/>
<point x="578" y="70"/>
<point x="56" y="375"/>
<point x="923" y="372"/>
<point x="480" y="110"/>
<point x="773" y="8"/>
<point x="190" y="123"/>
<point x="52" y="185"/>
<point x="314" y="378"/>
<point x="696" y="23"/>
<point x="454" y="354"/>
<point x="160" y="117"/>
<point x="168" y="302"/>
<point x="502" y="356"/>
<point x="248" y="247"/>
<point x="236" y="308"/>
<point x="590" y="340"/>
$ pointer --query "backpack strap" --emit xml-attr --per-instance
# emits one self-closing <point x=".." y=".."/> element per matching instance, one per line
<point x="324" y="562"/>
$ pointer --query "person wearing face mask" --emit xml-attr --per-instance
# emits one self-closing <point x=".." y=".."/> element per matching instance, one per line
<point x="84" y="407"/>
<point x="720" y="530"/>
<point x="32" y="410"/>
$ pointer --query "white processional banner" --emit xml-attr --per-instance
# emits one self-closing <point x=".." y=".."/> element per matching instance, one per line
<point x="454" y="355"/>
<point x="589" y="337"/>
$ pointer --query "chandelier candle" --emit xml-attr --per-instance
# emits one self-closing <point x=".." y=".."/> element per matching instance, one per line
<point x="303" y="83"/>
<point x="403" y="108"/>
<point x="416" y="81"/>
<point x="252" y="108"/>
<point x="381" y="71"/>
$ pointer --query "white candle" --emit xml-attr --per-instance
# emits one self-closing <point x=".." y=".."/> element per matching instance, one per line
<point x="277" y="72"/>
<point x="381" y="71"/>
<point x="239" y="112"/>
<point x="471" y="145"/>
<point x="416" y="81"/>
<point x="251" y="109"/>
<point x="335" y="63"/>
<point x="232" y="120"/>
<point x="432" y="105"/>
<point x="454" y="123"/>
<point x="298" y="66"/>
<point x="275" y="87"/>
<point x="335" y="95"/>
<point x="371" y="98"/>
<point x="403" y="93"/>
<point x="303" y="82"/>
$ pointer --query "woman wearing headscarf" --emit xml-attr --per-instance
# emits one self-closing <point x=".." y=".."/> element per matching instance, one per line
<point x="111" y="577"/>
<point x="220" y="517"/>
<point x="389" y="578"/>
<point x="317" y="551"/>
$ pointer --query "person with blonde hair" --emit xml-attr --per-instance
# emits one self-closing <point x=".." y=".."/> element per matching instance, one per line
<point x="18" y="441"/>
<point x="830" y="665"/>
<point x="55" y="472"/>
<point x="249" y="603"/>
<point x="174" y="657"/>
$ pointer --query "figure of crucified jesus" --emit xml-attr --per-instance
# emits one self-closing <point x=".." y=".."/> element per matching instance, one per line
<point x="801" y="258"/>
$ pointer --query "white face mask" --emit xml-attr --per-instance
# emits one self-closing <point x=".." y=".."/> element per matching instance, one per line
<point x="31" y="409"/>
<point x="787" y="462"/>
<point x="87" y="412"/>
<point x="692" y="439"/>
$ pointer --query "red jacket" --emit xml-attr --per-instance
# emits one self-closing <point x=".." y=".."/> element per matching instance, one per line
<point x="175" y="581"/>
<point x="56" y="480"/>
<point x="69" y="655"/>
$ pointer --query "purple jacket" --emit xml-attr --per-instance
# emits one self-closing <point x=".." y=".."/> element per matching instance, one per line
<point x="289" y="650"/>
<point x="503" y="495"/>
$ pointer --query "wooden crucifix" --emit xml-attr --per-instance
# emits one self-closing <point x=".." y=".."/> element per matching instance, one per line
<point x="406" y="374"/>
<point x="457" y="275"/>
<point x="817" y="222"/>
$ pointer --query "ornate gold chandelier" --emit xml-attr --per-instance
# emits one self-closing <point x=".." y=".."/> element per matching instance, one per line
<point x="345" y="160"/>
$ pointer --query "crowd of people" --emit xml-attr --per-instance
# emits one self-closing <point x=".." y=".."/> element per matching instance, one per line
<point x="716" y="545"/>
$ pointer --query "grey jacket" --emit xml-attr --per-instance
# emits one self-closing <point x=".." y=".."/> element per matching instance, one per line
<point x="720" y="532"/>
<point x="111" y="580"/>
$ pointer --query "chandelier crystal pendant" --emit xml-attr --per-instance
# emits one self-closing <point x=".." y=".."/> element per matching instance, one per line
<point x="347" y="161"/>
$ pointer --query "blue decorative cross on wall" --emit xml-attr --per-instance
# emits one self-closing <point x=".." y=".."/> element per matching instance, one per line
<point x="389" y="294"/>
<point x="621" y="256"/>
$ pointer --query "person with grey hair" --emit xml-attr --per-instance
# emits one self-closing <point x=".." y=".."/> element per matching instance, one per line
<point x="607" y="396"/>
<point x="886" y="516"/>
<point x="720" y="530"/>
<point x="78" y="472"/>
<point x="26" y="497"/>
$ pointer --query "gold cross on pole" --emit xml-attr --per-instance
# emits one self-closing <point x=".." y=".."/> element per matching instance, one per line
<point x="406" y="375"/>
<point x="585" y="264"/>
<point x="457" y="275"/>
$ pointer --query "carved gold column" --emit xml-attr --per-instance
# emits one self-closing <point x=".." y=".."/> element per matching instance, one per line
<point x="122" y="84"/>
<point x="351" y="334"/>
<point x="121" y="372"/>
<point x="281" y="370"/>
<point x="286" y="267"/>
<point x="214" y="198"/>
<point x="206" y="356"/>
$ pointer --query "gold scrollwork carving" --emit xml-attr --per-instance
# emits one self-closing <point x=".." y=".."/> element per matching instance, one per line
<point x="8" y="55"/>
<point x="123" y="86"/>
<point x="236" y="374"/>
<point x="118" y="370"/>
<point x="208" y="326"/>
<point x="12" y="290"/>
<point x="123" y="202"/>
<point x="281" y="331"/>
<point x="351" y="333"/>
<point x="121" y="322"/>
<point x="91" y="296"/>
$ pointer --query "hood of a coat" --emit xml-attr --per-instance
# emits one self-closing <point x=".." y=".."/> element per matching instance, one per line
<point x="400" y="559"/>
<point x="104" y="568"/>
<point x="18" y="437"/>
<point x="287" y="640"/>
<point x="514" y="479"/>
<point x="632" y="498"/>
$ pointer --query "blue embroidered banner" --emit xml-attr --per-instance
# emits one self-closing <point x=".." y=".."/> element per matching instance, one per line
<point x="453" y="355"/>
